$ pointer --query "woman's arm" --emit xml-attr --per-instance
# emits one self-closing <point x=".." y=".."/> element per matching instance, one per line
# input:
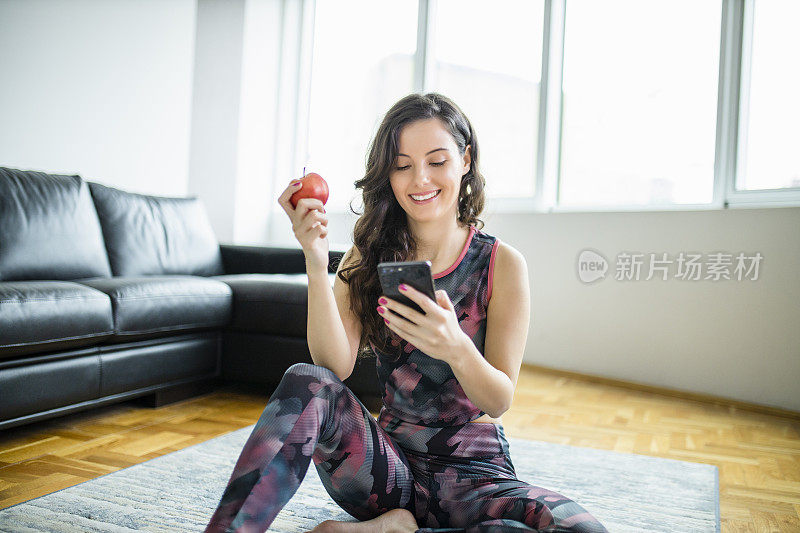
<point x="489" y="380"/>
<point x="333" y="333"/>
<point x="329" y="333"/>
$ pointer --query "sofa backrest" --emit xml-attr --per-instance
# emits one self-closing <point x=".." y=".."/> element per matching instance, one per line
<point x="48" y="228"/>
<point x="151" y="235"/>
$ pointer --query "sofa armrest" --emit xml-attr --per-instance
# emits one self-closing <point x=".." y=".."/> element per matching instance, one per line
<point x="242" y="259"/>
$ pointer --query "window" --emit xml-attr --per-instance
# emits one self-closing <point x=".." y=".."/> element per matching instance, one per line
<point x="769" y="146"/>
<point x="487" y="57"/>
<point x="578" y="104"/>
<point x="639" y="102"/>
<point x="358" y="72"/>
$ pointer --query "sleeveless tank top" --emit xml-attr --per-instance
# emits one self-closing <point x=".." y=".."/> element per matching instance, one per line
<point x="420" y="389"/>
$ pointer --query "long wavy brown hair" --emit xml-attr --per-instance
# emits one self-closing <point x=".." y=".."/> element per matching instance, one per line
<point x="381" y="232"/>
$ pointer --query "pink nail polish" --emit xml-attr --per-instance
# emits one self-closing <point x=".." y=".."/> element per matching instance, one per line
<point x="380" y="310"/>
<point x="403" y="287"/>
<point x="382" y="301"/>
<point x="385" y="320"/>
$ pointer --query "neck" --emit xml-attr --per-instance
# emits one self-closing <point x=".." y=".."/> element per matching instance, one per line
<point x="435" y="242"/>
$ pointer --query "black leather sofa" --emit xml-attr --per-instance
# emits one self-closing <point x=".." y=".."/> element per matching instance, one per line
<point x="107" y="295"/>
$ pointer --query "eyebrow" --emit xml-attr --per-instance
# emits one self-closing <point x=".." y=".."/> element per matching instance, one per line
<point x="435" y="150"/>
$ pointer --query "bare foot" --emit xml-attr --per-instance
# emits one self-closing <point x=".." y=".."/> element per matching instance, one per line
<point x="392" y="521"/>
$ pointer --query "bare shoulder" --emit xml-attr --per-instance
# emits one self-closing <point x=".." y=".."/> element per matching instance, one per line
<point x="508" y="256"/>
<point x="510" y="275"/>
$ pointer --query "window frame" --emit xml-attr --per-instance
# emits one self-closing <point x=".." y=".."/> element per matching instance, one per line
<point x="741" y="18"/>
<point x="734" y="72"/>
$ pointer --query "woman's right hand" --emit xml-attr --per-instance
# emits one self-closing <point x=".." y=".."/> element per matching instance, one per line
<point x="310" y="225"/>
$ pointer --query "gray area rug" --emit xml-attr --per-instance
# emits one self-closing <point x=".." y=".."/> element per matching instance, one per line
<point x="179" y="491"/>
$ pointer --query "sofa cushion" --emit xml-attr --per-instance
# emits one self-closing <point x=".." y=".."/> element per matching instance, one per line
<point x="270" y="303"/>
<point x="145" y="364"/>
<point x="148" y="306"/>
<point x="154" y="235"/>
<point x="48" y="228"/>
<point x="41" y="386"/>
<point x="37" y="316"/>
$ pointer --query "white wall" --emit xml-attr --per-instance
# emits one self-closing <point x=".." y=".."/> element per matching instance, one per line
<point x="735" y="339"/>
<point x="243" y="120"/>
<point x="98" y="88"/>
<point x="258" y="128"/>
<point x="215" y="110"/>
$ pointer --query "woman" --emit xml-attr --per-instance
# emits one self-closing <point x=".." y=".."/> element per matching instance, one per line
<point x="437" y="457"/>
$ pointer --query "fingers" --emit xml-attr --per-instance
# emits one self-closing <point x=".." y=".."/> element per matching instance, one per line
<point x="308" y="217"/>
<point x="407" y="312"/>
<point x="399" y="326"/>
<point x="310" y="203"/>
<point x="315" y="219"/>
<point x="287" y="193"/>
<point x="418" y="297"/>
<point x="303" y="205"/>
<point x="309" y="212"/>
<point x="311" y="220"/>
<point x="320" y="229"/>
<point x="309" y="233"/>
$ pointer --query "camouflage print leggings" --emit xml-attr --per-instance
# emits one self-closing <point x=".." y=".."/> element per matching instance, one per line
<point x="453" y="479"/>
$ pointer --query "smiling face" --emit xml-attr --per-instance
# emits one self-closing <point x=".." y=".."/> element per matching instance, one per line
<point x="428" y="162"/>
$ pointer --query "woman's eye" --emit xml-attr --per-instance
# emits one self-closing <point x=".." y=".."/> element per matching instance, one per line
<point x="434" y="164"/>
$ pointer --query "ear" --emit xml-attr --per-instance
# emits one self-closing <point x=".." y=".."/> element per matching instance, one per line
<point x="467" y="158"/>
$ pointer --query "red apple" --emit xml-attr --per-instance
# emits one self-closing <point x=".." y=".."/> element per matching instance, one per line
<point x="313" y="187"/>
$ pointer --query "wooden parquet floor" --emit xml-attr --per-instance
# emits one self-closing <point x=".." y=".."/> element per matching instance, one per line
<point x="758" y="455"/>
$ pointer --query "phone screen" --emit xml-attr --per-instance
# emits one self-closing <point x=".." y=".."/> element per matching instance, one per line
<point x="416" y="274"/>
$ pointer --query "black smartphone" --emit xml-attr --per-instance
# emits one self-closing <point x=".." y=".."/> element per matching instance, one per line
<point x="416" y="274"/>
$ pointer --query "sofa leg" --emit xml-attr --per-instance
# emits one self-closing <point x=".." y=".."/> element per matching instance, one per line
<point x="177" y="393"/>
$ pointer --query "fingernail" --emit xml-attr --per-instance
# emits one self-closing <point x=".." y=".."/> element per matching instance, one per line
<point x="296" y="184"/>
<point x="382" y="300"/>
<point x="403" y="287"/>
<point x="385" y="320"/>
<point x="380" y="310"/>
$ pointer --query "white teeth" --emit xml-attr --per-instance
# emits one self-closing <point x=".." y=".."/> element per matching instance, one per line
<point x="420" y="198"/>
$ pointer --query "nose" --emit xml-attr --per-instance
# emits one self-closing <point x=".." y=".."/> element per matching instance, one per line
<point x="421" y="177"/>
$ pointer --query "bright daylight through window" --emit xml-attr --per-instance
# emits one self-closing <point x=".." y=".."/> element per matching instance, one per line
<point x="640" y="102"/>
<point x="639" y="121"/>
<point x="489" y="61"/>
<point x="770" y="115"/>
<point x="358" y="72"/>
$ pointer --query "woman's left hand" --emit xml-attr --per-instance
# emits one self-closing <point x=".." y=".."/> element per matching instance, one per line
<point x="437" y="332"/>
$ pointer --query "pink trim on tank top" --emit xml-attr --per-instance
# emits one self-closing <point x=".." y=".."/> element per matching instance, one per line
<point x="491" y="268"/>
<point x="460" y="257"/>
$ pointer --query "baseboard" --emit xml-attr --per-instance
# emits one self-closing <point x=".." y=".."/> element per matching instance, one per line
<point x="665" y="391"/>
